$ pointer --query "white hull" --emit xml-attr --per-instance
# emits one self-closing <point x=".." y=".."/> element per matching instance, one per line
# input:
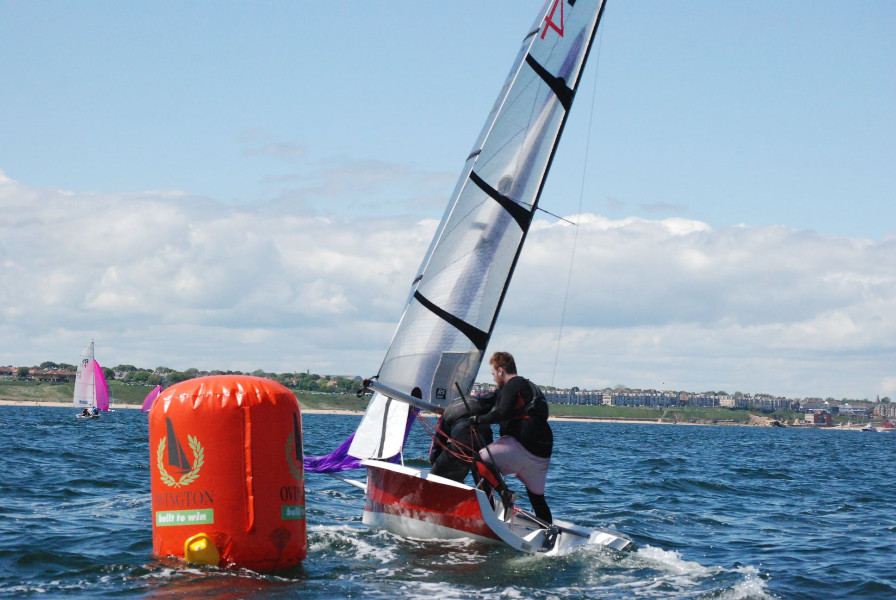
<point x="412" y="503"/>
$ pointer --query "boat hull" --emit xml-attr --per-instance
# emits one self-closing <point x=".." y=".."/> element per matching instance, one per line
<point x="413" y="503"/>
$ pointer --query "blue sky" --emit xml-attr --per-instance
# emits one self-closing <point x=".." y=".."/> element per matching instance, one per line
<point x="735" y="161"/>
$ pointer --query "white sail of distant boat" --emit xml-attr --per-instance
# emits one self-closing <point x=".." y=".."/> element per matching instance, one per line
<point x="455" y="298"/>
<point x="91" y="389"/>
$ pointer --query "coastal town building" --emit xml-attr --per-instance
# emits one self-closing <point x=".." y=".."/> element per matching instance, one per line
<point x="652" y="398"/>
<point x="886" y="410"/>
<point x="48" y="375"/>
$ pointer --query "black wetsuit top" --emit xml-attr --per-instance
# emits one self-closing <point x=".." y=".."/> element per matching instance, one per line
<point x="511" y="411"/>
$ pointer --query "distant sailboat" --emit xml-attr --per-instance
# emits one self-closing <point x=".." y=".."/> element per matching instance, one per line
<point x="91" y="390"/>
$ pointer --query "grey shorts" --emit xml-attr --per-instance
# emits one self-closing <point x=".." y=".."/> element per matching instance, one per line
<point x="512" y="459"/>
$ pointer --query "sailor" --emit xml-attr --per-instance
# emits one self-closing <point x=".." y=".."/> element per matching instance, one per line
<point x="85" y="413"/>
<point x="96" y="411"/>
<point x="526" y="442"/>
<point x="456" y="443"/>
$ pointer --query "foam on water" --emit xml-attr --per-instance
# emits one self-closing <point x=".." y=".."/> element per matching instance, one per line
<point x="361" y="545"/>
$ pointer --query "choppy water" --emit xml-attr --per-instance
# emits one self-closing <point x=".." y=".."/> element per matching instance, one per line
<point x="717" y="512"/>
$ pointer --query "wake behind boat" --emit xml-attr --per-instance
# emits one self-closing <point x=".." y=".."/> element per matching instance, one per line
<point x="455" y="299"/>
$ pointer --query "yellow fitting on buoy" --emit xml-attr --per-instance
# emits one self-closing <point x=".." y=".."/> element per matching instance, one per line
<point x="201" y="550"/>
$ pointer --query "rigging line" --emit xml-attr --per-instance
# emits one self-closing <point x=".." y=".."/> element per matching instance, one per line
<point x="433" y="431"/>
<point x="575" y="237"/>
<point x="534" y="208"/>
<point x="555" y="216"/>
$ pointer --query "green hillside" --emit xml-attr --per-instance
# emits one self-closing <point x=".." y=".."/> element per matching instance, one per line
<point x="133" y="394"/>
<point x="29" y="391"/>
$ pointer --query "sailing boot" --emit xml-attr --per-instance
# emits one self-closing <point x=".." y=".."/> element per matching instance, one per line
<point x="490" y="474"/>
<point x="550" y="538"/>
<point x="490" y="482"/>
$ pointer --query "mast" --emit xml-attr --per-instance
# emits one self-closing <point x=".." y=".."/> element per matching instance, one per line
<point x="455" y="298"/>
<point x="457" y="294"/>
<point x="463" y="279"/>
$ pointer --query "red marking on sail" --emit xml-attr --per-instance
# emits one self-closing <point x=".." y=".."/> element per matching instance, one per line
<point x="549" y="20"/>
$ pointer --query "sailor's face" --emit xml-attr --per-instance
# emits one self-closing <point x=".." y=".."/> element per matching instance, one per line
<point x="498" y="375"/>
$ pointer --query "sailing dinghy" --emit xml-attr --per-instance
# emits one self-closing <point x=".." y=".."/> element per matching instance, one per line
<point x="91" y="389"/>
<point x="455" y="298"/>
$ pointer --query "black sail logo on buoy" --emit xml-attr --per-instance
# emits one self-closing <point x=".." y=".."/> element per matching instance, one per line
<point x="297" y="433"/>
<point x="292" y="497"/>
<point x="177" y="458"/>
<point x="294" y="448"/>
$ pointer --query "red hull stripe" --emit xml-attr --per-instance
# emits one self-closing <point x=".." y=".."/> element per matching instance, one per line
<point x="412" y="497"/>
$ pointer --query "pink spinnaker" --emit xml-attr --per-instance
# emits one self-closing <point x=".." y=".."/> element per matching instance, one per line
<point x="150" y="398"/>
<point x="101" y="387"/>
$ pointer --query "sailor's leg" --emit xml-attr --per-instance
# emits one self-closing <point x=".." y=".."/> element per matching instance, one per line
<point x="450" y="467"/>
<point x="486" y="474"/>
<point x="540" y="506"/>
<point x="490" y="475"/>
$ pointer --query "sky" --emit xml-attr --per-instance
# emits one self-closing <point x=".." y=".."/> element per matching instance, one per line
<point x="242" y="186"/>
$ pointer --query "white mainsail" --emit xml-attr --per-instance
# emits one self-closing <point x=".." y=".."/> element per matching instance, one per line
<point x="456" y="296"/>
<point x="85" y="380"/>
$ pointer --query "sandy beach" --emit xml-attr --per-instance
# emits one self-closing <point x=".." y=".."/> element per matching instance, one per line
<point x="311" y="411"/>
<point x="308" y="411"/>
<point x="57" y="404"/>
<point x="755" y="421"/>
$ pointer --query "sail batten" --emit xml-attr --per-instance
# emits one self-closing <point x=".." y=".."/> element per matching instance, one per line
<point x="557" y="84"/>
<point x="520" y="214"/>
<point x="475" y="335"/>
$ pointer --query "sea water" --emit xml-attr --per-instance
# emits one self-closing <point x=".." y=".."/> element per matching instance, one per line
<point x="716" y="512"/>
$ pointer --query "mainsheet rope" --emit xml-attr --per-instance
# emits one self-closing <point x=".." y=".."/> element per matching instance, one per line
<point x="461" y="454"/>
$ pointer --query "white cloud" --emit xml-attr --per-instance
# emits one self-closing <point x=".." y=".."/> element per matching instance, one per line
<point x="163" y="278"/>
<point x="674" y="304"/>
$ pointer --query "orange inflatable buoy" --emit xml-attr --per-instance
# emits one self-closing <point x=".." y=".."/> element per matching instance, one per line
<point x="226" y="467"/>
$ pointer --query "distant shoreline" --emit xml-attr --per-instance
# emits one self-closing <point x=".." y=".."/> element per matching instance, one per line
<point x="754" y="421"/>
<point x="56" y="404"/>
<point x="309" y="411"/>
